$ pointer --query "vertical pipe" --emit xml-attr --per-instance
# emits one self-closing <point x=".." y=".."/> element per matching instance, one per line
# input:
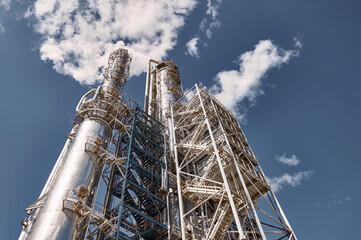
<point x="167" y="197"/>
<point x="148" y="86"/>
<point x="179" y="187"/>
<point x="146" y="97"/>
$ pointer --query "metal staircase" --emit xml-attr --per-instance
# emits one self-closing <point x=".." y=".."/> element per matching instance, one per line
<point x="219" y="179"/>
<point x="136" y="193"/>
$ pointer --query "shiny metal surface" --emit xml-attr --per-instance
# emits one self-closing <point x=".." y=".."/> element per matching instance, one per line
<point x="169" y="87"/>
<point x="78" y="169"/>
<point x="56" y="167"/>
<point x="148" y="86"/>
<point x="48" y="184"/>
<point x="48" y="219"/>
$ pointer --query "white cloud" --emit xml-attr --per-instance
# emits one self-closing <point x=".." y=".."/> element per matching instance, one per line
<point x="339" y="202"/>
<point x="5" y="4"/>
<point x="278" y="183"/>
<point x="78" y="36"/>
<point x="192" y="48"/>
<point x="212" y="9"/>
<point x="297" y="42"/>
<point x="291" y="161"/>
<point x="234" y="86"/>
<point x="208" y="24"/>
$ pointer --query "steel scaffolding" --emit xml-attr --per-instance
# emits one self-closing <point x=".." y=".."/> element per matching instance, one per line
<point x="219" y="181"/>
<point x="180" y="169"/>
<point x="138" y="188"/>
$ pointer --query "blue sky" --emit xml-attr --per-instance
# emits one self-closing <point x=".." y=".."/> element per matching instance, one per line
<point x="290" y="69"/>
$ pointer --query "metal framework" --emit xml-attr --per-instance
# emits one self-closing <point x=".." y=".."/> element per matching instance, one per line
<point x="99" y="113"/>
<point x="222" y="191"/>
<point x="180" y="169"/>
<point x="138" y="188"/>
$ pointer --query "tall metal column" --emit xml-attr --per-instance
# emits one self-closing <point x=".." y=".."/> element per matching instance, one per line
<point x="78" y="169"/>
<point x="189" y="142"/>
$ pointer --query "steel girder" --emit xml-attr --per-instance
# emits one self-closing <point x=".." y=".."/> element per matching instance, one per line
<point x="222" y="191"/>
<point x="135" y="190"/>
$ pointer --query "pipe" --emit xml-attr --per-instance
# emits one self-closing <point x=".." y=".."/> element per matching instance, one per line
<point x="81" y="101"/>
<point x="147" y="84"/>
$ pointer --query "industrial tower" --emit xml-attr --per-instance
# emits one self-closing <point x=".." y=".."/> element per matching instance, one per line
<point x="180" y="168"/>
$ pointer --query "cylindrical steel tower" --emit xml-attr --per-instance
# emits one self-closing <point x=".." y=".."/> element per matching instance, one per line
<point x="75" y="168"/>
<point x="180" y="169"/>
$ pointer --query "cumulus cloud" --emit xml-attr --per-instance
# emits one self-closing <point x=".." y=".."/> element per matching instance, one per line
<point x="192" y="48"/>
<point x="78" y="36"/>
<point x="234" y="86"/>
<point x="278" y="183"/>
<point x="210" y="22"/>
<point x="5" y="4"/>
<point x="291" y="161"/>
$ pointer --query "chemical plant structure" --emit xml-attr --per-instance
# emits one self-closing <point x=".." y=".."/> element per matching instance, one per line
<point x="179" y="168"/>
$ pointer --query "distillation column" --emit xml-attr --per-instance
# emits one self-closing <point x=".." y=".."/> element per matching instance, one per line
<point x="163" y="91"/>
<point x="75" y="170"/>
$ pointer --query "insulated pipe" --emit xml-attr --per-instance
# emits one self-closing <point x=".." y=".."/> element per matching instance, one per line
<point x="147" y="84"/>
<point x="165" y="75"/>
<point x="152" y="102"/>
<point x="81" y="101"/>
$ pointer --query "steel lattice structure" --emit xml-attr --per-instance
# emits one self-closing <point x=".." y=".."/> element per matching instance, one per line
<point x="136" y="191"/>
<point x="220" y="183"/>
<point x="181" y="168"/>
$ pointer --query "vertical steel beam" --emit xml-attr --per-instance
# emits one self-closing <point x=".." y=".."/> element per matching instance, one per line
<point x="280" y="209"/>
<point x="126" y="175"/>
<point x="245" y="189"/>
<point x="219" y="161"/>
<point x="179" y="187"/>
